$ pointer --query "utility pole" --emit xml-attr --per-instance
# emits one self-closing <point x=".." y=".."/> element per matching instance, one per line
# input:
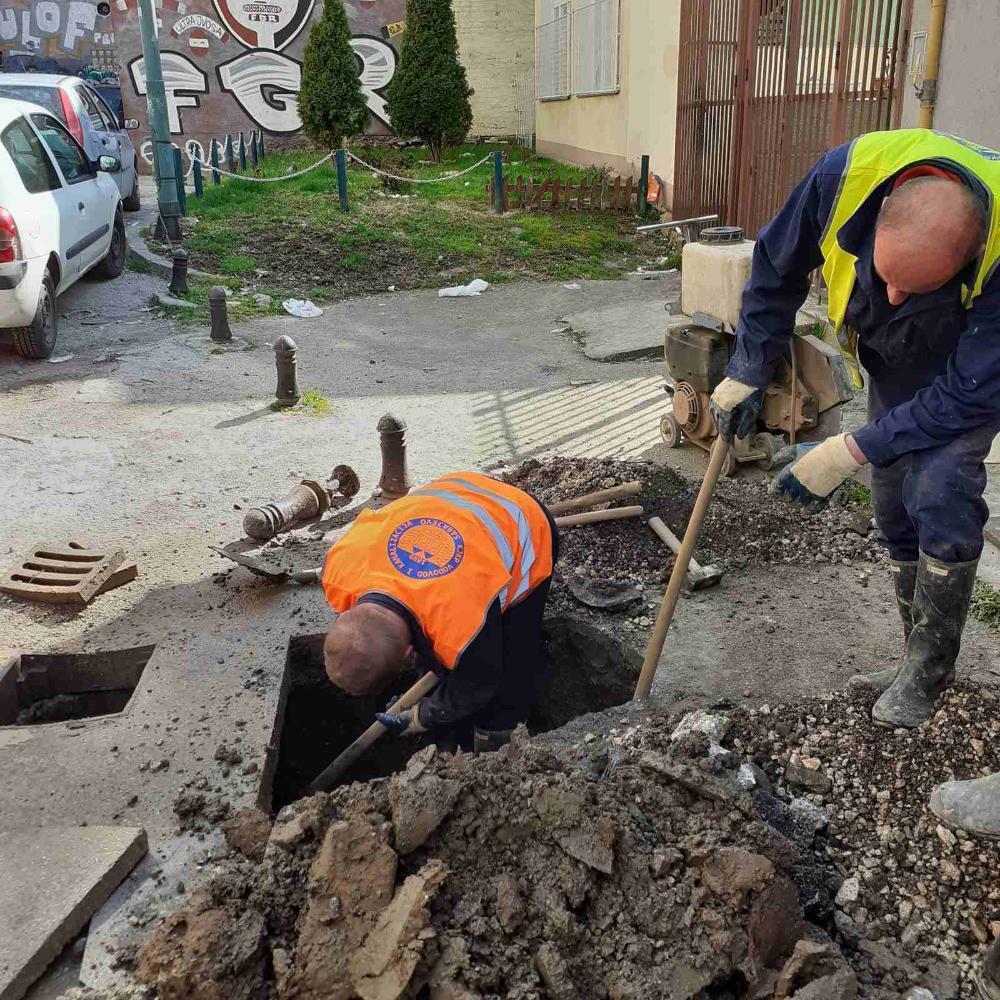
<point x="156" y="105"/>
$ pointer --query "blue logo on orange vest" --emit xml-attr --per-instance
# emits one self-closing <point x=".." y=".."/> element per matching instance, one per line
<point x="425" y="548"/>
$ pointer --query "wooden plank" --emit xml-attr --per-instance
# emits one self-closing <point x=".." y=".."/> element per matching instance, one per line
<point x="556" y="185"/>
<point x="579" y="195"/>
<point x="540" y="194"/>
<point x="616" y="192"/>
<point x="628" y="195"/>
<point x="604" y="193"/>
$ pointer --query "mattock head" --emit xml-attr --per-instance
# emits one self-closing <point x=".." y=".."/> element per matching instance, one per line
<point x="348" y="480"/>
<point x="703" y="576"/>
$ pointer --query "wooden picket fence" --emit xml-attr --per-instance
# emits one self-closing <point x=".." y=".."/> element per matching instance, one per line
<point x="616" y="195"/>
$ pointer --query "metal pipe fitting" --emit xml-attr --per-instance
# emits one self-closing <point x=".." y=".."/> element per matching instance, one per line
<point x="220" y="316"/>
<point x="287" y="393"/>
<point x="395" y="479"/>
<point x="178" y="274"/>
<point x="309" y="500"/>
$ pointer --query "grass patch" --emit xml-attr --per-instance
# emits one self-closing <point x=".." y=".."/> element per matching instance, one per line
<point x="404" y="235"/>
<point x="139" y="264"/>
<point x="314" y="402"/>
<point x="985" y="605"/>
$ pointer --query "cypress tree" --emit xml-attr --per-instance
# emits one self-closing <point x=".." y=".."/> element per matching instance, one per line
<point x="331" y="104"/>
<point x="429" y="93"/>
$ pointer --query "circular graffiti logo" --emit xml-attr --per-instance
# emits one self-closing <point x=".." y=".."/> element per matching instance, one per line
<point x="425" y="548"/>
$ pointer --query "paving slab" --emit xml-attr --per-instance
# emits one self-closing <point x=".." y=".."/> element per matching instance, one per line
<point x="54" y="879"/>
<point x="622" y="332"/>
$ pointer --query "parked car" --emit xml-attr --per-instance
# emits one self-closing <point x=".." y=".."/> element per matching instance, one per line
<point x="60" y="217"/>
<point x="88" y="117"/>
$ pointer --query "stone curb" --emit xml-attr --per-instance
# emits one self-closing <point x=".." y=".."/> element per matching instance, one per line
<point x="138" y="250"/>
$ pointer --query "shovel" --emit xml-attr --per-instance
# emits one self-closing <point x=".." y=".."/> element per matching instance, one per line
<point x="276" y="576"/>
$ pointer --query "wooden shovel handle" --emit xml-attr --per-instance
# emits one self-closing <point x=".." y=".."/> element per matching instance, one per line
<point x="591" y="499"/>
<point x="329" y="778"/>
<point x="595" y="516"/>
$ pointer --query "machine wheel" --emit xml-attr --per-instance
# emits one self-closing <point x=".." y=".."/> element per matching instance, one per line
<point x="770" y="444"/>
<point x="38" y="340"/>
<point x="670" y="431"/>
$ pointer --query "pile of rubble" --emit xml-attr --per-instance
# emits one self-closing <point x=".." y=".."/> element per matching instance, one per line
<point x="745" y="524"/>
<point x="626" y="860"/>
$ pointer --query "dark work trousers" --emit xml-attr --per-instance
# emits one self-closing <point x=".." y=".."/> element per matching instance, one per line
<point x="524" y="662"/>
<point x="930" y="500"/>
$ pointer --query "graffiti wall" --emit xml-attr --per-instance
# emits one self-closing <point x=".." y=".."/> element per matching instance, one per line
<point x="233" y="66"/>
<point x="79" y="33"/>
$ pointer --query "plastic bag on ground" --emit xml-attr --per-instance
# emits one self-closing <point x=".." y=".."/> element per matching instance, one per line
<point x="475" y="287"/>
<point x="302" y="308"/>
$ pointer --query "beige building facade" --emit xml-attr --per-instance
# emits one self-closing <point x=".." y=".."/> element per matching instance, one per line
<point x="606" y="83"/>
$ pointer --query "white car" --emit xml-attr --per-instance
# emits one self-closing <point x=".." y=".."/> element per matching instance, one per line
<point x="60" y="217"/>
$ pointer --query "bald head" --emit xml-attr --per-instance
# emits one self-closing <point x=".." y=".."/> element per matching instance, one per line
<point x="366" y="648"/>
<point x="928" y="229"/>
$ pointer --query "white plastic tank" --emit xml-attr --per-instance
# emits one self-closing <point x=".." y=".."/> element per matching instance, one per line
<point x="713" y="273"/>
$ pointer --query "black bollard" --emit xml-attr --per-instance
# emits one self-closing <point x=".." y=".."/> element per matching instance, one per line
<point x="179" y="273"/>
<point x="221" y="333"/>
<point x="284" y="359"/>
<point x="395" y="479"/>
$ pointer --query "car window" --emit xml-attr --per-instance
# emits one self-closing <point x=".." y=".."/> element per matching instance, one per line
<point x="91" y="109"/>
<point x="112" y="97"/>
<point x="107" y="114"/>
<point x="71" y="158"/>
<point x="31" y="161"/>
<point x="47" y="97"/>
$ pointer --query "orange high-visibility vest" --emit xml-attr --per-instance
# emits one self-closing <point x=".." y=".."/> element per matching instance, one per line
<point x="445" y="551"/>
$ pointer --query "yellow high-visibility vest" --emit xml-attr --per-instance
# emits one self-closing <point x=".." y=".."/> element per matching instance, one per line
<point x="872" y="160"/>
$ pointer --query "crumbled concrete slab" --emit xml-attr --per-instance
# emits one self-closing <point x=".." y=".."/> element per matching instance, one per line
<point x="53" y="880"/>
<point x="621" y="332"/>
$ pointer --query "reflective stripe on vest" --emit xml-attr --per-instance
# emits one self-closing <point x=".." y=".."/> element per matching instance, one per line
<point x="872" y="160"/>
<point x="446" y="551"/>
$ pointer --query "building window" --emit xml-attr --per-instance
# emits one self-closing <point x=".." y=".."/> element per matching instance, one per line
<point x="552" y="45"/>
<point x="597" y="37"/>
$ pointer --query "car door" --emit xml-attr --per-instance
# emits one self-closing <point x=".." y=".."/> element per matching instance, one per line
<point x="86" y="209"/>
<point x="126" y="149"/>
<point x="104" y="134"/>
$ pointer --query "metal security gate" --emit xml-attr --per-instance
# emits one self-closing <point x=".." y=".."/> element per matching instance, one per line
<point x="767" y="86"/>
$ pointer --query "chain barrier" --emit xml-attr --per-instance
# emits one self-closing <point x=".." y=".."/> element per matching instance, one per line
<point x="454" y="175"/>
<point x="260" y="180"/>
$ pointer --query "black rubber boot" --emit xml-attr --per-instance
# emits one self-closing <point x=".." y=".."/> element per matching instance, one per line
<point x="989" y="979"/>
<point x="940" y="605"/>
<point x="488" y="740"/>
<point x="904" y="580"/>
<point x="973" y="806"/>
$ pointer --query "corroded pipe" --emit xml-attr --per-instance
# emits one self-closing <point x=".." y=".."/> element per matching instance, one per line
<point x="309" y="500"/>
<point x="395" y="479"/>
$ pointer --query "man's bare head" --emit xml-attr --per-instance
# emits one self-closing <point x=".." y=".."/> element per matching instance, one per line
<point x="928" y="229"/>
<point x="365" y="648"/>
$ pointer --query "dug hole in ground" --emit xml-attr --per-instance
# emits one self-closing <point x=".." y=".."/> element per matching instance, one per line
<point x="776" y="851"/>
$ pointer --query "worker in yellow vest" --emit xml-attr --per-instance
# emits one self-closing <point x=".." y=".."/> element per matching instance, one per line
<point x="452" y="578"/>
<point x="906" y="228"/>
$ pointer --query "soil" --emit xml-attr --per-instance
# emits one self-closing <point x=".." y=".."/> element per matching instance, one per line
<point x="745" y="525"/>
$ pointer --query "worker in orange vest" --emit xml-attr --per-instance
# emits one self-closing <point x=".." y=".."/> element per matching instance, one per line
<point x="452" y="578"/>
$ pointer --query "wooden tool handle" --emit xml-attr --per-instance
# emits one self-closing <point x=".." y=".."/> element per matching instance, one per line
<point x="716" y="462"/>
<point x="666" y="535"/>
<point x="329" y="778"/>
<point x="595" y="516"/>
<point x="591" y="499"/>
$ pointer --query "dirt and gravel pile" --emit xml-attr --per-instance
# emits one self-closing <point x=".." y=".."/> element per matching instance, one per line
<point x="624" y="869"/>
<point x="930" y="892"/>
<point x="745" y="524"/>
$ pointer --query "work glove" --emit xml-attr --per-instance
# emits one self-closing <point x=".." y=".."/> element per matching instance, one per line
<point x="813" y="471"/>
<point x="735" y="407"/>
<point x="407" y="722"/>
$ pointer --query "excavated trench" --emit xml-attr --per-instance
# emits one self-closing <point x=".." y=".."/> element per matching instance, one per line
<point x="589" y="670"/>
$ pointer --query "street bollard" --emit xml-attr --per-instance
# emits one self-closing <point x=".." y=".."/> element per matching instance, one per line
<point x="395" y="479"/>
<point x="341" y="159"/>
<point x="243" y="154"/>
<point x="230" y="162"/>
<point x="178" y="273"/>
<point x="644" y="188"/>
<point x="199" y="186"/>
<point x="221" y="333"/>
<point x="499" y="195"/>
<point x="214" y="158"/>
<point x="287" y="393"/>
<point x="179" y="175"/>
<point x="263" y="153"/>
<point x="254" y="156"/>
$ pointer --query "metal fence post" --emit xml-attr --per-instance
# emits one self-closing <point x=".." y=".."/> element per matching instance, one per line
<point x="263" y="153"/>
<point x="499" y="197"/>
<point x="230" y="162"/>
<point x="179" y="175"/>
<point x="199" y="187"/>
<point x="243" y="154"/>
<point x="254" y="155"/>
<point x="341" y="158"/>
<point x="214" y="158"/>
<point x="643" y="188"/>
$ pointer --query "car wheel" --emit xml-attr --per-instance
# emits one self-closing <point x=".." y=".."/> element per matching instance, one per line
<point x="131" y="203"/>
<point x="114" y="263"/>
<point x="38" y="340"/>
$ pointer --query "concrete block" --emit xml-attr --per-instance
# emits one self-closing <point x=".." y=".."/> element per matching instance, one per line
<point x="712" y="279"/>
<point x="54" y="879"/>
<point x="622" y="332"/>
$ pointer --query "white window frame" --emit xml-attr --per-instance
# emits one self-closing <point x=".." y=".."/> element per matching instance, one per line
<point x="584" y="16"/>
<point x="554" y="53"/>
